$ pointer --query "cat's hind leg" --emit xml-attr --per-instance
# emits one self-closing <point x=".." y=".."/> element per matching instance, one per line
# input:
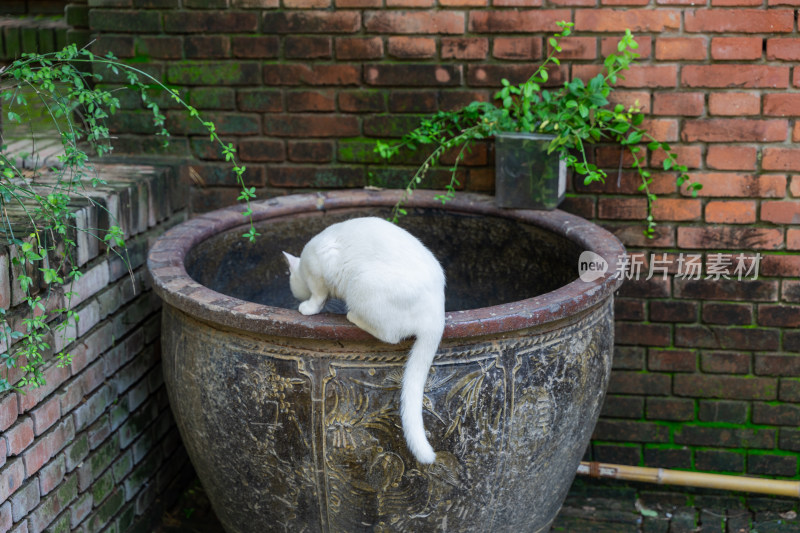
<point x="358" y="321"/>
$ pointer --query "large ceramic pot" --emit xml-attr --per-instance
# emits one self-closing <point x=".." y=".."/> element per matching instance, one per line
<point x="292" y="422"/>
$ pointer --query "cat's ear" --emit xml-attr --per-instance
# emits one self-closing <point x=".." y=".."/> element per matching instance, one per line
<point x="292" y="261"/>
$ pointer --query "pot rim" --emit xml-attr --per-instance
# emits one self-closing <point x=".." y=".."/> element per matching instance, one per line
<point x="525" y="135"/>
<point x="173" y="284"/>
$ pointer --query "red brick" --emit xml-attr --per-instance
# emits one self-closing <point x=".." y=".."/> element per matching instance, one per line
<point x="732" y="3"/>
<point x="608" y="45"/>
<point x="724" y="157"/>
<point x="776" y="415"/>
<point x="479" y="3"/>
<point x="725" y="362"/>
<point x="691" y="156"/>
<point x="733" y="238"/>
<point x="735" y="130"/>
<point x="261" y="150"/>
<point x="781" y="316"/>
<point x="618" y="20"/>
<point x="623" y="407"/>
<point x="310" y="151"/>
<point x="204" y="22"/>
<point x="781" y="159"/>
<point x="52" y="475"/>
<point x="734" y="104"/>
<point x="623" y="382"/>
<point x="662" y="129"/>
<point x="255" y="47"/>
<point x="506" y="21"/>
<point x="609" y="157"/>
<point x="358" y="4"/>
<point x="359" y="48"/>
<point x="303" y="125"/>
<point x="445" y="22"/>
<point x="782" y="266"/>
<point x="631" y="99"/>
<point x="622" y="208"/>
<point x="782" y="105"/>
<point x="207" y="47"/>
<point x="9" y="409"/>
<point x="119" y="45"/>
<point x="54" y="377"/>
<point x="306" y="4"/>
<point x="490" y="75"/>
<point x="682" y="104"/>
<point x="731" y="387"/>
<point x="793" y="239"/>
<point x="649" y="76"/>
<point x="681" y="48"/>
<point x="46" y="415"/>
<point x="624" y="2"/>
<point x="669" y="409"/>
<point x="794" y="188"/>
<point x="642" y="334"/>
<point x="260" y="100"/>
<point x="318" y="101"/>
<point x="727" y="314"/>
<point x="452" y="100"/>
<point x="735" y="76"/>
<point x="630" y="431"/>
<point x="577" y="48"/>
<point x="730" y="48"/>
<point x="796" y="132"/>
<point x="677" y="209"/>
<point x="316" y="177"/>
<point x="161" y="47"/>
<point x="629" y="309"/>
<point x="301" y="47"/>
<point x="464" y="47"/>
<point x="409" y="3"/>
<point x="412" y="102"/>
<point x="405" y="75"/>
<point x="781" y="212"/>
<point x="411" y="47"/>
<point x="785" y="49"/>
<point x="291" y="74"/>
<point x="739" y="21"/>
<point x="672" y="310"/>
<point x="293" y="22"/>
<point x="573" y="3"/>
<point x="12" y="475"/>
<point x="747" y="290"/>
<point x="517" y="48"/>
<point x="672" y="360"/>
<point x="361" y="102"/>
<point x="19" y="437"/>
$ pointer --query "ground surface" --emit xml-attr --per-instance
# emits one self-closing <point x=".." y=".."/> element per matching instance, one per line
<point x="594" y="507"/>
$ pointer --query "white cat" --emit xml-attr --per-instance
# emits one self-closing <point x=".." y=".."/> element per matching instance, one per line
<point x="393" y="287"/>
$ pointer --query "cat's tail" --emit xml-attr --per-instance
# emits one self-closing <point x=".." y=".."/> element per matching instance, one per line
<point x="416" y="374"/>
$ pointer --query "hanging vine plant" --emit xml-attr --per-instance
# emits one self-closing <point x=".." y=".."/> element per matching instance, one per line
<point x="35" y="216"/>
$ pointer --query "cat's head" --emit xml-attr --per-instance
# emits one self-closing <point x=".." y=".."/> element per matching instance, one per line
<point x="297" y="282"/>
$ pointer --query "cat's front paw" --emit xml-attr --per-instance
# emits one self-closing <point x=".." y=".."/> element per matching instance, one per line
<point x="309" y="308"/>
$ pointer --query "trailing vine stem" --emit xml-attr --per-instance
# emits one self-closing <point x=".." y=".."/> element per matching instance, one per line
<point x="576" y="114"/>
<point x="35" y="216"/>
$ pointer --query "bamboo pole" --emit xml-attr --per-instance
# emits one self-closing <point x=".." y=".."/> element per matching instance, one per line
<point x="662" y="476"/>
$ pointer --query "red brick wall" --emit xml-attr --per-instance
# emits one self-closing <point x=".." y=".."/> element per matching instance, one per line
<point x="96" y="448"/>
<point x="707" y="372"/>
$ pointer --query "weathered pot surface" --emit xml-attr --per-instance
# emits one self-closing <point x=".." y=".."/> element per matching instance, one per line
<point x="291" y="422"/>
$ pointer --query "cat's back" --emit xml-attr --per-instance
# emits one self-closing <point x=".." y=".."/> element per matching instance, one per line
<point x="372" y="242"/>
